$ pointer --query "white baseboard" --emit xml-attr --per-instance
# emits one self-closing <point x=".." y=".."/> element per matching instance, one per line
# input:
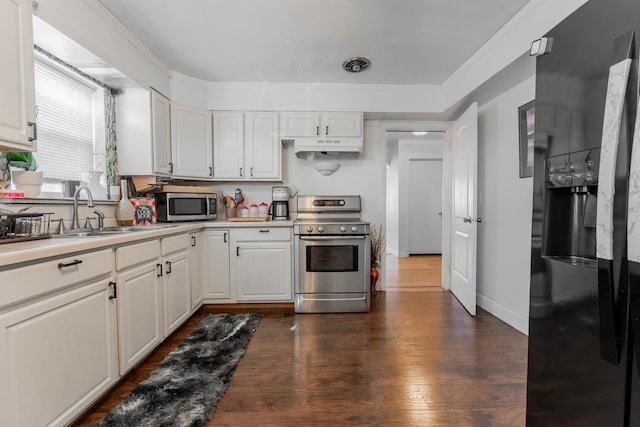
<point x="391" y="252"/>
<point x="510" y="317"/>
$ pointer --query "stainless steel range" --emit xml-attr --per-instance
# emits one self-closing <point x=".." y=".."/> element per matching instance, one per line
<point x="332" y="248"/>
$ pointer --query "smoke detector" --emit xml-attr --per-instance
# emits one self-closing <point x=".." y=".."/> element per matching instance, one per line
<point x="356" y="65"/>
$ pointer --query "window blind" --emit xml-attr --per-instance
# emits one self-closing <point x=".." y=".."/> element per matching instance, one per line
<point x="65" y="123"/>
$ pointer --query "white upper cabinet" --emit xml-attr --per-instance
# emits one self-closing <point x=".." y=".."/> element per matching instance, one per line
<point x="299" y="124"/>
<point x="320" y="125"/>
<point x="191" y="144"/>
<point x="17" y="85"/>
<point x="161" y="133"/>
<point x="144" y="138"/>
<point x="228" y="145"/>
<point x="246" y="146"/>
<point x="263" y="150"/>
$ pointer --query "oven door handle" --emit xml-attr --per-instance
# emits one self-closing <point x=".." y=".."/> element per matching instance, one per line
<point x="360" y="237"/>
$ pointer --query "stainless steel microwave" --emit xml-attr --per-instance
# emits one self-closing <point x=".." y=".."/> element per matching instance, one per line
<point x="173" y="207"/>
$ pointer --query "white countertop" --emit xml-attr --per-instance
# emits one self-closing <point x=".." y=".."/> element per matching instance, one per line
<point x="34" y="250"/>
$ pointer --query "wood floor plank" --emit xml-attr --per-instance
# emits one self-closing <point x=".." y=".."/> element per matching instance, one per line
<point x="416" y="359"/>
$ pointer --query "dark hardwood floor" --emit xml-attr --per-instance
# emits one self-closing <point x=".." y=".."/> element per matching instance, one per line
<point x="418" y="359"/>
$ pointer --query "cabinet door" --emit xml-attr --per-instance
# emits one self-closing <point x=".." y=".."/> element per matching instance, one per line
<point x="262" y="146"/>
<point x="262" y="271"/>
<point x="140" y="327"/>
<point x="161" y="133"/>
<point x="196" y="271"/>
<point x="17" y="84"/>
<point x="341" y="125"/>
<point x="299" y="125"/>
<point x="57" y="355"/>
<point x="228" y="145"/>
<point x="176" y="290"/>
<point x="191" y="142"/>
<point x="215" y="254"/>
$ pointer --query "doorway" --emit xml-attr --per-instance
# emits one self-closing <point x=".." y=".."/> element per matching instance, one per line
<point x="414" y="210"/>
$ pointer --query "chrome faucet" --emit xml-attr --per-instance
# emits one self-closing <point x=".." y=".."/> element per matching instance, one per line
<point x="74" y="221"/>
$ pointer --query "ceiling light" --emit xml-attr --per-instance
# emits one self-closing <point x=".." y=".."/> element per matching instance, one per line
<point x="356" y="64"/>
<point x="419" y="133"/>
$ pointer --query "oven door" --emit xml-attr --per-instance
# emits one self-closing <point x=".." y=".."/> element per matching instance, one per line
<point x="332" y="264"/>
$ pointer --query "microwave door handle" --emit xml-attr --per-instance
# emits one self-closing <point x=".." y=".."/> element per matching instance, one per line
<point x="633" y="240"/>
<point x="611" y="129"/>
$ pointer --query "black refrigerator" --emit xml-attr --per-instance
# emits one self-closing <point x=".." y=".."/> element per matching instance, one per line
<point x="584" y="313"/>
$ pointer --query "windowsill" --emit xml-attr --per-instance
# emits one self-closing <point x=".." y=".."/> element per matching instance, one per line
<point x="51" y="201"/>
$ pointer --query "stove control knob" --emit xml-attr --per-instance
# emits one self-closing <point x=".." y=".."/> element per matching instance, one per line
<point x="343" y="228"/>
<point x="354" y="228"/>
<point x="321" y="229"/>
<point x="309" y="229"/>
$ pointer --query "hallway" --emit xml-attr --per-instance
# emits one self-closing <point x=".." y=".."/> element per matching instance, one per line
<point x="414" y="273"/>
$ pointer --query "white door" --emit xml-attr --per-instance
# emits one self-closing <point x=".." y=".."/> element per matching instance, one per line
<point x="464" y="160"/>
<point x="425" y="206"/>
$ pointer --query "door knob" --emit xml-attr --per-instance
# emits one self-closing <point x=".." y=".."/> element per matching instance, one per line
<point x="466" y="220"/>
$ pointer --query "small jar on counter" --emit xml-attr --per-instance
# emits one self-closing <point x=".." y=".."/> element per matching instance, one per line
<point x="245" y="212"/>
<point x="253" y="210"/>
<point x="263" y="209"/>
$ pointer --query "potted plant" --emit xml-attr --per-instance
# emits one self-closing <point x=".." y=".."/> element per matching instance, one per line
<point x="24" y="175"/>
<point x="378" y="240"/>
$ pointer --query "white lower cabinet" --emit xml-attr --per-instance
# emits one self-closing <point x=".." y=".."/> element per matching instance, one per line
<point x="196" y="270"/>
<point x="176" y="287"/>
<point x="140" y="305"/>
<point x="215" y="255"/>
<point x="261" y="264"/>
<point x="57" y="354"/>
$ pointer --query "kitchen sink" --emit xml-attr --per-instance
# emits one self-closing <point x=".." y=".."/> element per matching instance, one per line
<point x="110" y="231"/>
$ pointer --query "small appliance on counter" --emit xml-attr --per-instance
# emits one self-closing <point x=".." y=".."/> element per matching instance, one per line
<point x="172" y="207"/>
<point x="279" y="210"/>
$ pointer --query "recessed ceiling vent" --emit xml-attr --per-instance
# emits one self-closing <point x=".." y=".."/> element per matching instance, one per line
<point x="356" y="65"/>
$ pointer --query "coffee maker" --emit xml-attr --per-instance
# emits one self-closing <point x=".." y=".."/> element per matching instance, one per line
<point x="279" y="209"/>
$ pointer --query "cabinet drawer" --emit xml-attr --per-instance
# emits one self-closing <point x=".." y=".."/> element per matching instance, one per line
<point x="262" y="234"/>
<point x="27" y="282"/>
<point x="127" y="256"/>
<point x="175" y="243"/>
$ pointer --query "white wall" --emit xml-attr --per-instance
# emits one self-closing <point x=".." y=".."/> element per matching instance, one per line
<point x="393" y="198"/>
<point x="504" y="204"/>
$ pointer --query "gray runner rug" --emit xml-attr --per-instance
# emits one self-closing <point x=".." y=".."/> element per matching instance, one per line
<point x="185" y="388"/>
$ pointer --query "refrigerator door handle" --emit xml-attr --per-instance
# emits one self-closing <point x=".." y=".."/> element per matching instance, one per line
<point x="611" y="129"/>
<point x="633" y="240"/>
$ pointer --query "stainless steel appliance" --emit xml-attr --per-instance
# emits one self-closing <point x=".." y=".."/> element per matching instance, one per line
<point x="584" y="313"/>
<point x="332" y="251"/>
<point x="171" y="207"/>
<point x="279" y="209"/>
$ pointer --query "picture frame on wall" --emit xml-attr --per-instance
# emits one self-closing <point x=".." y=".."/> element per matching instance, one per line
<point x="526" y="127"/>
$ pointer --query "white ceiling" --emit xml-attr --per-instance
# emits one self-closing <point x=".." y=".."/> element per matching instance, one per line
<point x="407" y="41"/>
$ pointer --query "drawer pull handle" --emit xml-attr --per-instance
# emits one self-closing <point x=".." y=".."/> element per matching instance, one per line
<point x="168" y="264"/>
<point x="264" y="231"/>
<point x="69" y="264"/>
<point x="225" y="237"/>
<point x="159" y="273"/>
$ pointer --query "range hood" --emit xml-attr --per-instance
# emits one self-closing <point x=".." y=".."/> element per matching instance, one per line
<point x="340" y="147"/>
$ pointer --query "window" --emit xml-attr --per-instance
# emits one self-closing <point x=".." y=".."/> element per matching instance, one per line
<point x="70" y="124"/>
